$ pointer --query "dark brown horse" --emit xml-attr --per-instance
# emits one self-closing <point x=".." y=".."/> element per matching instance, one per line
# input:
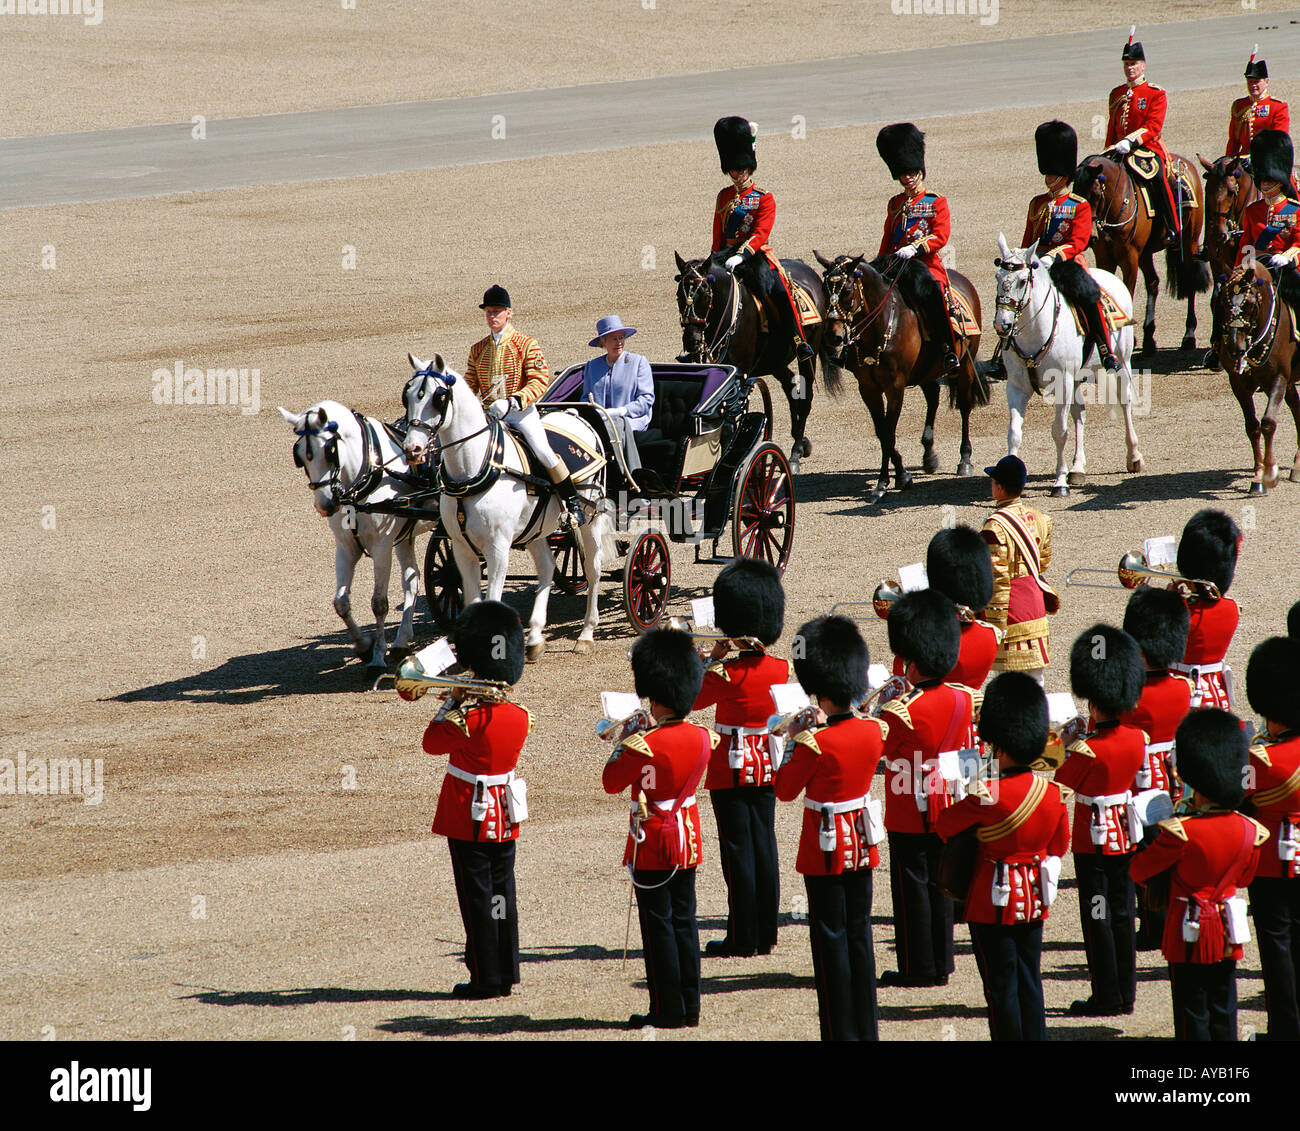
<point x="1126" y="238"/>
<point x="721" y="322"/>
<point x="1257" y="351"/>
<point x="1229" y="188"/>
<point x="876" y="334"/>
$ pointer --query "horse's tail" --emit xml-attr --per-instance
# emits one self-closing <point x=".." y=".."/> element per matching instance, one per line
<point x="1185" y="275"/>
<point x="977" y="393"/>
<point x="832" y="376"/>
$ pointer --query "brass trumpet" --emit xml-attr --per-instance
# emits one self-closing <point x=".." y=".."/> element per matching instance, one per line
<point x="412" y="683"/>
<point x="619" y="731"/>
<point x="681" y="624"/>
<point x="1134" y="572"/>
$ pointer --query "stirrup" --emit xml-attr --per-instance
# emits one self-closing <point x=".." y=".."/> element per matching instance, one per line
<point x="803" y="350"/>
<point x="573" y="508"/>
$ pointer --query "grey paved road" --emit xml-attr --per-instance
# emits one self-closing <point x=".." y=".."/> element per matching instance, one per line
<point x="847" y="91"/>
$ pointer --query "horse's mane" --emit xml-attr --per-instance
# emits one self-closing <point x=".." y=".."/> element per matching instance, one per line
<point x="1085" y="176"/>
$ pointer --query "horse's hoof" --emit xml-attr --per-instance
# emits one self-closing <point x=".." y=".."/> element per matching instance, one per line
<point x="1135" y="465"/>
<point x="534" y="652"/>
<point x="1271" y="484"/>
<point x="877" y="493"/>
<point x="1077" y="478"/>
<point x="1060" y="492"/>
<point x="804" y="446"/>
<point x="964" y="468"/>
<point x="793" y="461"/>
<point x="1189" y="342"/>
<point x="930" y="464"/>
<point x="904" y="481"/>
<point x="584" y="647"/>
<point x="1255" y="488"/>
<point x="366" y="648"/>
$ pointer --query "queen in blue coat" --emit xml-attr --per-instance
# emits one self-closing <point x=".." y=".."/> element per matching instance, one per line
<point x="620" y="382"/>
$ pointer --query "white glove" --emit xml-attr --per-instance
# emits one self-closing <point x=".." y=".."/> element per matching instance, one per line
<point x="734" y="262"/>
<point x="1046" y="260"/>
<point x="498" y="408"/>
<point x="1278" y="261"/>
<point x="905" y="252"/>
<point x="621" y="410"/>
<point x="1123" y="147"/>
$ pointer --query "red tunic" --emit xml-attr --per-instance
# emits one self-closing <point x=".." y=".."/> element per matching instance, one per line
<point x="1103" y="764"/>
<point x="1203" y="851"/>
<point x="1137" y="113"/>
<point x="659" y="763"/>
<point x="1208" y="639"/>
<point x="1045" y="831"/>
<point x="743" y="220"/>
<point x="1059" y="224"/>
<point x="922" y="221"/>
<point x="743" y="700"/>
<point x="1270" y="227"/>
<point x="1164" y="704"/>
<point x="1275" y="763"/>
<point x="834" y="763"/>
<point x="1248" y="118"/>
<point x="484" y="741"/>
<point x="919" y="725"/>
<point x="978" y="650"/>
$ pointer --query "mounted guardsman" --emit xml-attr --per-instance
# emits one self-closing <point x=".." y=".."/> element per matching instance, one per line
<point x="1136" y="117"/>
<point x="742" y="222"/>
<point x="1257" y="111"/>
<point x="917" y="226"/>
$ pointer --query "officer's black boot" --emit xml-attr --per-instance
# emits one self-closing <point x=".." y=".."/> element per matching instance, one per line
<point x="995" y="369"/>
<point x="568" y="494"/>
<point x="941" y="333"/>
<point x="1097" y="328"/>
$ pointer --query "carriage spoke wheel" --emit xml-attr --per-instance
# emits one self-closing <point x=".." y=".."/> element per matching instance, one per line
<point x="442" y="588"/>
<point x="569" y="576"/>
<point x="646" y="575"/>
<point x="765" y="395"/>
<point x="762" y="521"/>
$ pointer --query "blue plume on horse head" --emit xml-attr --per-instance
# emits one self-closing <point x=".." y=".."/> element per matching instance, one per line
<point x="307" y="430"/>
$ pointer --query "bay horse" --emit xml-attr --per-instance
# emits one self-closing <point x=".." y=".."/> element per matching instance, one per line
<point x="722" y="323"/>
<point x="1257" y="351"/>
<point x="1229" y="188"/>
<point x="873" y="332"/>
<point x="1126" y="238"/>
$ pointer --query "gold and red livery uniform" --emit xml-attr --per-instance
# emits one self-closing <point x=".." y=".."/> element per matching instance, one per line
<point x="1269" y="226"/>
<point x="482" y="744"/>
<point x="1059" y="223"/>
<point x="740" y="689"/>
<point x="1164" y="704"/>
<point x="1018" y="607"/>
<point x="1100" y="768"/>
<point x="979" y="649"/>
<point x="1248" y="117"/>
<point x="1213" y="624"/>
<point x="921" y="221"/>
<point x="513" y="367"/>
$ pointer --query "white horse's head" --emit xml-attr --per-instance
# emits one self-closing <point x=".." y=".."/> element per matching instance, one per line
<point x="1015" y="284"/>
<point x="428" y="397"/>
<point x="317" y="449"/>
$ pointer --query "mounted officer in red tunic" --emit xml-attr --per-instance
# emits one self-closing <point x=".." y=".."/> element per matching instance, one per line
<point x="1136" y="117"/>
<point x="1257" y="111"/>
<point x="742" y="221"/>
<point x="917" y="226"/>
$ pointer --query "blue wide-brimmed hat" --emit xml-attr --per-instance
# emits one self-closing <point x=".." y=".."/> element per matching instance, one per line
<point x="610" y="324"/>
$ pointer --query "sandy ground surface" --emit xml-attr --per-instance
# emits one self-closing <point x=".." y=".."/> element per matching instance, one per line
<point x="152" y="61"/>
<point x="168" y="593"/>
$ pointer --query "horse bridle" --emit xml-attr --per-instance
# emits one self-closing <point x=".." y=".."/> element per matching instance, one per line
<point x="441" y="401"/>
<point x="329" y="449"/>
<point x="856" y="319"/>
<point x="1268" y="333"/>
<point x="1030" y="360"/>
<point x="694" y="283"/>
<point x="1124" y="203"/>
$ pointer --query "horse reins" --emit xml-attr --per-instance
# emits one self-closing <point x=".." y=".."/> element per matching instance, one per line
<point x="857" y="326"/>
<point x="1031" y="360"/>
<point x="715" y="350"/>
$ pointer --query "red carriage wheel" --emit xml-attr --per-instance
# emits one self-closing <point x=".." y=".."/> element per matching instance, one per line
<point x="762" y="519"/>
<point x="442" y="587"/>
<point x="646" y="575"/>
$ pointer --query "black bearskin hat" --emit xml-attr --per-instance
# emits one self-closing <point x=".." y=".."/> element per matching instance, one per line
<point x="1273" y="680"/>
<point x="902" y="146"/>
<point x="748" y="600"/>
<point x="735" y="138"/>
<point x="1207" y="551"/>
<point x="1211" y="752"/>
<point x="831" y="659"/>
<point x="667" y="669"/>
<point x="1106" y="669"/>
<point x="1157" y="619"/>
<point x="923" y="629"/>
<point x="1271" y="157"/>
<point x="1293" y="622"/>
<point x="959" y="566"/>
<point x="1014" y="717"/>
<point x="489" y="640"/>
<point x="1058" y="149"/>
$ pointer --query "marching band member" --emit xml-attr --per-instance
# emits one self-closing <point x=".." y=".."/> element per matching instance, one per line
<point x="927" y="728"/>
<point x="742" y="221"/>
<point x="665" y="764"/>
<point x="1207" y="551"/>
<point x="477" y="805"/>
<point x="917" y="225"/>
<point x="959" y="566"/>
<point x="1136" y="117"/>
<point x="832" y="765"/>
<point x="1272" y="678"/>
<point x="508" y="374"/>
<point x="747" y="601"/>
<point x="1210" y="854"/>
<point x="1020" y="542"/>
<point x="1106" y="670"/>
<point x="1256" y="112"/>
<point x="1022" y="833"/>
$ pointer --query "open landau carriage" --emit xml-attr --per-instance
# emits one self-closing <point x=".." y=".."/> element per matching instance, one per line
<point x="711" y="460"/>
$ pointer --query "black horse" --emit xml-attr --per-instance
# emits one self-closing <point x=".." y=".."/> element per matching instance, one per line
<point x="722" y="323"/>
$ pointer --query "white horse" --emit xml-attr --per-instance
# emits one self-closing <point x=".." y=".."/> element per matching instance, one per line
<point x="345" y="466"/>
<point x="1043" y="353"/>
<point x="439" y="402"/>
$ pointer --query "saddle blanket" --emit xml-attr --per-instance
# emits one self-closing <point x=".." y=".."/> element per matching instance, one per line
<point x="961" y="315"/>
<point x="809" y="315"/>
<point x="1143" y="164"/>
<point x="563" y="430"/>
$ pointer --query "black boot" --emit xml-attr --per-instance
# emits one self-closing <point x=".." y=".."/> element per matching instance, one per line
<point x="940" y="331"/>
<point x="1097" y="328"/>
<point x="569" y="497"/>
<point x="995" y="369"/>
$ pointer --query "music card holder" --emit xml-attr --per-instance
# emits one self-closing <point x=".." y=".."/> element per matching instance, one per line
<point x="1153" y="806"/>
<point x="913" y="577"/>
<point x="1060" y="708"/>
<point x="702" y="612"/>
<point x="877" y="676"/>
<point x="619" y="704"/>
<point x="436" y="658"/>
<point x="789" y="698"/>
<point x="1161" y="552"/>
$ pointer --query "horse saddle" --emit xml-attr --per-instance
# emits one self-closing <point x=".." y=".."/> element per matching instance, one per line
<point x="1145" y="166"/>
<point x="563" y="432"/>
<point x="1111" y="312"/>
<point x="809" y="315"/>
<point x="961" y="315"/>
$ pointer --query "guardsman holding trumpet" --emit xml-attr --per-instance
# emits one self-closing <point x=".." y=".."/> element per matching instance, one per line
<point x="748" y="603"/>
<point x="959" y="565"/>
<point x="832" y="765"/>
<point x="664" y="765"/>
<point x="1207" y="551"/>
<point x="482" y="802"/>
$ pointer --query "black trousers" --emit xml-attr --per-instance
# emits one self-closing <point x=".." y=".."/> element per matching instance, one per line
<point x="666" y="909"/>
<point x="1275" y="905"/>
<point x="761" y="278"/>
<point x="1205" y="1000"/>
<point x="746" y="819"/>
<point x="1107" y="910"/>
<point x="844" y="962"/>
<point x="1009" y="963"/>
<point x="485" y="888"/>
<point x="922" y="913"/>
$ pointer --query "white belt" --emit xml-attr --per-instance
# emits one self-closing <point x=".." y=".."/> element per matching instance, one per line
<point x="666" y="805"/>
<point x="744" y="732"/>
<point x="1106" y="801"/>
<point x="1159" y="747"/>
<point x="836" y="806"/>
<point x="486" y="779"/>
<point x="1203" y="669"/>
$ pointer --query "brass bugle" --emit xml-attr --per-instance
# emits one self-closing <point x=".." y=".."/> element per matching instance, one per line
<point x="839" y="606"/>
<point x="780" y="724"/>
<point x="882" y="600"/>
<point x="1133" y="572"/>
<point x="412" y="679"/>
<point x="616" y="730"/>
<point x="681" y="624"/>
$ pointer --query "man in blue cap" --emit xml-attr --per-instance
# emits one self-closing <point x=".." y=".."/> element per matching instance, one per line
<point x="1020" y="544"/>
<point x="620" y="383"/>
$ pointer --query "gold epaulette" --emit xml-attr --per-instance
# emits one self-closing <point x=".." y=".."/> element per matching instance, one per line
<point x="714" y="739"/>
<point x="1080" y="746"/>
<point x="528" y="718"/>
<point x="1155" y="86"/>
<point x="1174" y="826"/>
<point x="718" y="668"/>
<point x="1146" y="738"/>
<point x="636" y="744"/>
<point x="1260" y="750"/>
<point x="899" y="707"/>
<point x="1000" y="632"/>
<point x="808" y="738"/>
<point x="980" y="790"/>
<point x="457" y="719"/>
<point x="1186" y="679"/>
<point x="1261" y="833"/>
